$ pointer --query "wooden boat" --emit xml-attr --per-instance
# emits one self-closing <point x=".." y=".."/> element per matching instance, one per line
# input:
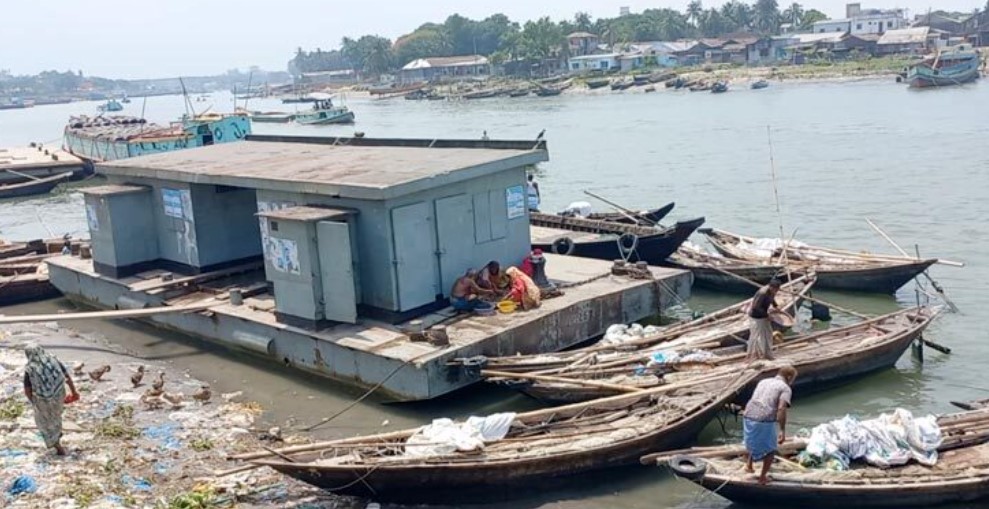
<point x="271" y="117"/>
<point x="622" y="84"/>
<point x="302" y="99"/>
<point x="110" y="106"/>
<point x="700" y="87"/>
<point x="549" y="91"/>
<point x="822" y="360"/>
<point x="649" y="89"/>
<point x="540" y="446"/>
<point x="29" y="187"/>
<point x="324" y="112"/>
<point x="709" y="270"/>
<point x="836" y="269"/>
<point x="645" y="217"/>
<point x="640" y="79"/>
<point x="719" y="87"/>
<point x="759" y="85"/>
<point x="960" y="476"/>
<point x="15" y="251"/>
<point x="598" y="83"/>
<point x="26" y="288"/>
<point x="720" y="328"/>
<point x="953" y="66"/>
<point x="483" y="94"/>
<point x="607" y="240"/>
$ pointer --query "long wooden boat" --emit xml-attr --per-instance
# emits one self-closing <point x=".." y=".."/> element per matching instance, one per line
<point x="597" y="83"/>
<point x="720" y="328"/>
<point x="540" y="446"/>
<point x="644" y="218"/>
<point x="607" y="240"/>
<point x="961" y="474"/>
<point x="30" y="187"/>
<point x="14" y="249"/>
<point x="710" y="270"/>
<point x="822" y="360"/>
<point x="26" y="288"/>
<point x="836" y="269"/>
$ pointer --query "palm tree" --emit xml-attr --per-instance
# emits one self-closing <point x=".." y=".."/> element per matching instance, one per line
<point x="582" y="22"/>
<point x="695" y="10"/>
<point x="794" y="14"/>
<point x="739" y="13"/>
<point x="767" y="16"/>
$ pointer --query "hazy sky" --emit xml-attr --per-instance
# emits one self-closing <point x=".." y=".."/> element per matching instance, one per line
<point x="164" y="38"/>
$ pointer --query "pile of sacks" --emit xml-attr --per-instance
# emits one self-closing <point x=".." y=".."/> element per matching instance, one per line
<point x="444" y="436"/>
<point x="620" y="333"/>
<point x="676" y="357"/>
<point x="888" y="440"/>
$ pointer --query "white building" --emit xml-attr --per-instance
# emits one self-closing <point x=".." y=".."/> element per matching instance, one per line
<point x="859" y="21"/>
<point x="604" y="62"/>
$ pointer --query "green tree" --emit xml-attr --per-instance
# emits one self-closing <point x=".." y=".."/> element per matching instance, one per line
<point x="794" y="14"/>
<point x="694" y="12"/>
<point x="767" y="16"/>
<point x="713" y="24"/>
<point x="740" y="14"/>
<point x="429" y="40"/>
<point x="541" y="38"/>
<point x="810" y="17"/>
<point x="371" y="54"/>
<point x="582" y="22"/>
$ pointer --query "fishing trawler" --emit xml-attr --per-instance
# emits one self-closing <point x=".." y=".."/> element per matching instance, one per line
<point x="953" y="66"/>
<point x="108" y="138"/>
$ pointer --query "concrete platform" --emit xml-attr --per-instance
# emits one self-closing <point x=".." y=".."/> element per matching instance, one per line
<point x="371" y="353"/>
<point x="34" y="162"/>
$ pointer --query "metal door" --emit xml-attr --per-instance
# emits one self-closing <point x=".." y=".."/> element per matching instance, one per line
<point x="455" y="236"/>
<point x="413" y="233"/>
<point x="336" y="267"/>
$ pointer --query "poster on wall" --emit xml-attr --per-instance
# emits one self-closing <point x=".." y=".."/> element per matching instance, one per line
<point x="92" y="218"/>
<point x="172" y="200"/>
<point x="267" y="206"/>
<point x="283" y="255"/>
<point x="515" y="201"/>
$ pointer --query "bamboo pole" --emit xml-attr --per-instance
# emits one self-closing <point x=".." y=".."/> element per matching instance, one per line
<point x="109" y="315"/>
<point x="934" y="283"/>
<point x="555" y="379"/>
<point x="622" y="210"/>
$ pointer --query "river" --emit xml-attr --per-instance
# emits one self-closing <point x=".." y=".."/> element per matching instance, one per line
<point x="911" y="161"/>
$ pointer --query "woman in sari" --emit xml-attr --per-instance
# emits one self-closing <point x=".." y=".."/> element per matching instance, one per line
<point x="523" y="290"/>
<point x="45" y="378"/>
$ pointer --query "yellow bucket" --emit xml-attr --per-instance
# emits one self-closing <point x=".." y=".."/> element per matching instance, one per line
<point x="507" y="306"/>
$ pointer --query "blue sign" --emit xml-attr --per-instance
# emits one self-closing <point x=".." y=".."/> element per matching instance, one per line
<point x="172" y="199"/>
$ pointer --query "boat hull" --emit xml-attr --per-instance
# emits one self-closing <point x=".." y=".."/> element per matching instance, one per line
<point x="652" y="249"/>
<point x="33" y="187"/>
<point x="317" y="119"/>
<point x="96" y="148"/>
<point x="20" y="289"/>
<point x="426" y="483"/>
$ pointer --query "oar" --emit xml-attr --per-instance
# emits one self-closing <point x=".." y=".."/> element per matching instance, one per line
<point x="25" y="175"/>
<point x="937" y="287"/>
<point x="622" y="210"/>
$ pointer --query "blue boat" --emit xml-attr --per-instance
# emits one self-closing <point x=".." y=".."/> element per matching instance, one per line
<point x="324" y="112"/>
<point x="111" y="105"/>
<point x="99" y="139"/>
<point x="953" y="66"/>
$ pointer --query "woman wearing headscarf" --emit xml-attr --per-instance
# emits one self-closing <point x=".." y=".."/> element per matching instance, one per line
<point x="523" y="290"/>
<point x="45" y="378"/>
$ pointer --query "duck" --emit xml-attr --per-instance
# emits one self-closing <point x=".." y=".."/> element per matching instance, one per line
<point x="97" y="374"/>
<point x="136" y="378"/>
<point x="159" y="384"/>
<point x="203" y="394"/>
<point x="77" y="368"/>
<point x="174" y="399"/>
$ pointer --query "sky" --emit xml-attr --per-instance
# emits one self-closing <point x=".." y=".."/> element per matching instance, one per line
<point x="158" y="39"/>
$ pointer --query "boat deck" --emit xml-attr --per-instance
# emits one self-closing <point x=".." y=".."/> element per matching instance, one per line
<point x="372" y="352"/>
<point x="546" y="235"/>
<point x="34" y="162"/>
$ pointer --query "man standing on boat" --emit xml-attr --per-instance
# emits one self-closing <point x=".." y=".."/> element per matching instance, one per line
<point x="532" y="194"/>
<point x="760" y="330"/>
<point x="765" y="410"/>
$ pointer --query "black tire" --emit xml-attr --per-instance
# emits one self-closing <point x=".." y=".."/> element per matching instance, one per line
<point x="563" y="246"/>
<point x="688" y="467"/>
<point x="628" y="242"/>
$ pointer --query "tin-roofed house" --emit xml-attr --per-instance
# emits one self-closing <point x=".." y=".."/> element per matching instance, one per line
<point x="464" y="67"/>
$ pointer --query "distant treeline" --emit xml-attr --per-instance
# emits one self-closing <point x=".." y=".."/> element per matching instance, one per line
<point x="501" y="39"/>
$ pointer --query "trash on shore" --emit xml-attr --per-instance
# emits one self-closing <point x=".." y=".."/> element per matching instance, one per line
<point x="123" y="452"/>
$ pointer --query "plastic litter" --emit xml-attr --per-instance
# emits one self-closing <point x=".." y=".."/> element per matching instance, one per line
<point x="136" y="483"/>
<point x="444" y="436"/>
<point x="22" y="484"/>
<point x="888" y="440"/>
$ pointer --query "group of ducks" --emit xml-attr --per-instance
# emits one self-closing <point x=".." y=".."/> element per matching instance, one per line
<point x="153" y="398"/>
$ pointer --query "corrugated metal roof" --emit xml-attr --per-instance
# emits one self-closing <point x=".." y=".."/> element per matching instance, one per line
<point x="363" y="172"/>
<point x="460" y="61"/>
<point x="916" y="35"/>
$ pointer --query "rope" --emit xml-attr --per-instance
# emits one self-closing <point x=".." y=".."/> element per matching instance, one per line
<point x="358" y="400"/>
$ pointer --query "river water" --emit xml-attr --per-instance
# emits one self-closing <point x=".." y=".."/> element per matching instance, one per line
<point x="911" y="161"/>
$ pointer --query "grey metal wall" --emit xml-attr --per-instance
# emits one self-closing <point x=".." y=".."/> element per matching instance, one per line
<point x="226" y="228"/>
<point x="298" y="289"/>
<point x="121" y="228"/>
